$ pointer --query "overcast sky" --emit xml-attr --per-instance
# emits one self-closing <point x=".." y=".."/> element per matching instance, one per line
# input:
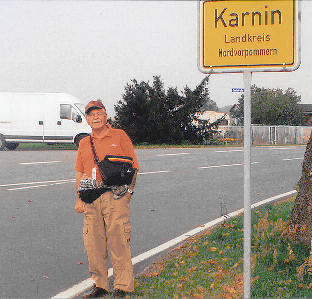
<point x="92" y="49"/>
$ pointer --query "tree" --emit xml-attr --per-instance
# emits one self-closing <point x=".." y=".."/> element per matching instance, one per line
<point x="271" y="107"/>
<point x="209" y="104"/>
<point x="299" y="228"/>
<point x="150" y="114"/>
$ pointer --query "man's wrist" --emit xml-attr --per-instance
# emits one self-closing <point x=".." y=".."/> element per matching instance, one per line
<point x="130" y="190"/>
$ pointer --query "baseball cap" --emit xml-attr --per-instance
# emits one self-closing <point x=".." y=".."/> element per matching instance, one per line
<point x="94" y="105"/>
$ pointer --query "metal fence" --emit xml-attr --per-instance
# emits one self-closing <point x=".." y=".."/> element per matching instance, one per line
<point x="266" y="135"/>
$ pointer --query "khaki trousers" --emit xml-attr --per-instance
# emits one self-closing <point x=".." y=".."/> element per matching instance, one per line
<point x="107" y="224"/>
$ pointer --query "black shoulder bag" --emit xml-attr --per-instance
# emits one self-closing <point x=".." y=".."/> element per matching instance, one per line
<point x="115" y="170"/>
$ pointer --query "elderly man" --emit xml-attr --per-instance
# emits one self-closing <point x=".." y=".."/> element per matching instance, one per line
<point x="107" y="219"/>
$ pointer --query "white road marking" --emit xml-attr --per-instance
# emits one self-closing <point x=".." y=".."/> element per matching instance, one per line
<point x="151" y="172"/>
<point x="226" y="165"/>
<point x="58" y="182"/>
<point x="281" y="148"/>
<point x="31" y="187"/>
<point x="229" y="151"/>
<point x="292" y="159"/>
<point x="43" y="162"/>
<point x="38" y="186"/>
<point x="33" y="183"/>
<point x="177" y="154"/>
<point x="85" y="285"/>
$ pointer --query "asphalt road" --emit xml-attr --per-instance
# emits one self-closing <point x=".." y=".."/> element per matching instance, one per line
<point x="41" y="248"/>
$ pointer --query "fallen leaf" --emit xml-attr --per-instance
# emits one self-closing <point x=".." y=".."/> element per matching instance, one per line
<point x="300" y="285"/>
<point x="236" y="265"/>
<point x="212" y="286"/>
<point x="203" y="225"/>
<point x="45" y="277"/>
<point x="221" y="252"/>
<point x="255" y="278"/>
<point x="182" y="262"/>
<point x="213" y="249"/>
<point x="200" y="289"/>
<point x="213" y="262"/>
<point x="232" y="291"/>
<point x="197" y="296"/>
<point x="80" y="263"/>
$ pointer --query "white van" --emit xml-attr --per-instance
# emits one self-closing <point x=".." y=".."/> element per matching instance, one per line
<point x="41" y="117"/>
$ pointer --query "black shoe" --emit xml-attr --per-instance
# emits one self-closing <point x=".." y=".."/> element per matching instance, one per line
<point x="120" y="293"/>
<point x="96" y="293"/>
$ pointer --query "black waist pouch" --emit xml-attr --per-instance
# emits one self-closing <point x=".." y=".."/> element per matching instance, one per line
<point x="89" y="196"/>
<point x="89" y="190"/>
<point x="116" y="170"/>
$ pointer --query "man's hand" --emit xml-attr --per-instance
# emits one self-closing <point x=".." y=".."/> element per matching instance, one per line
<point x="79" y="206"/>
<point x="127" y="195"/>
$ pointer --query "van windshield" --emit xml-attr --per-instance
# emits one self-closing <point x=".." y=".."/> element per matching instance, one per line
<point x="81" y="108"/>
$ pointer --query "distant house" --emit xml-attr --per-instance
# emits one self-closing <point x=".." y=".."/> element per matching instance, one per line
<point x="307" y="112"/>
<point x="213" y="116"/>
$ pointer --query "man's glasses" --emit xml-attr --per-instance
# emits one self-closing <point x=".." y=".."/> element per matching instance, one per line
<point x="96" y="114"/>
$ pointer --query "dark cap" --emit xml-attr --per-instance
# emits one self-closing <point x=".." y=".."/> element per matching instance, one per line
<point x="94" y="105"/>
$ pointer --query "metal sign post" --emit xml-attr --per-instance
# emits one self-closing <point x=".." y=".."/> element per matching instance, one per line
<point x="247" y="207"/>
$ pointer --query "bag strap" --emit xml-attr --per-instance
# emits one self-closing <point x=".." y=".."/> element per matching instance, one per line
<point x="96" y="159"/>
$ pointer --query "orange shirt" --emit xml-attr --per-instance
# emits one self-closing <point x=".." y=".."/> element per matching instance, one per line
<point x="115" y="142"/>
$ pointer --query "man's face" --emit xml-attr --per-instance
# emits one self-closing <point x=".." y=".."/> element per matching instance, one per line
<point x="97" y="118"/>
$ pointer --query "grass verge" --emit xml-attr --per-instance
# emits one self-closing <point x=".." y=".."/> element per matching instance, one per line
<point x="44" y="146"/>
<point x="211" y="263"/>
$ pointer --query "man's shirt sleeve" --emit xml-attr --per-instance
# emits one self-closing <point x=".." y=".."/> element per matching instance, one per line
<point x="79" y="164"/>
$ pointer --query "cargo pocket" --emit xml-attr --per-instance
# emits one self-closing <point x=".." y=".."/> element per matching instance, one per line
<point x="87" y="227"/>
<point x="127" y="231"/>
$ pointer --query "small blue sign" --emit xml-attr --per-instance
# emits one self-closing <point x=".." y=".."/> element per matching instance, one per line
<point x="237" y="89"/>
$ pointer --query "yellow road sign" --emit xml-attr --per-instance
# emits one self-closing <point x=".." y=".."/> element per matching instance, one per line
<point x="255" y="35"/>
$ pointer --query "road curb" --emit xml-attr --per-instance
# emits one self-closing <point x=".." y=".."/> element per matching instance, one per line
<point x="85" y="285"/>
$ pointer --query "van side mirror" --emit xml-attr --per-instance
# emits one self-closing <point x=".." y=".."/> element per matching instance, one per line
<point x="78" y="118"/>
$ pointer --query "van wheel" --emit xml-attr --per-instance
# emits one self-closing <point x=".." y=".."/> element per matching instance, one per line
<point x="78" y="138"/>
<point x="2" y="143"/>
<point x="11" y="146"/>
